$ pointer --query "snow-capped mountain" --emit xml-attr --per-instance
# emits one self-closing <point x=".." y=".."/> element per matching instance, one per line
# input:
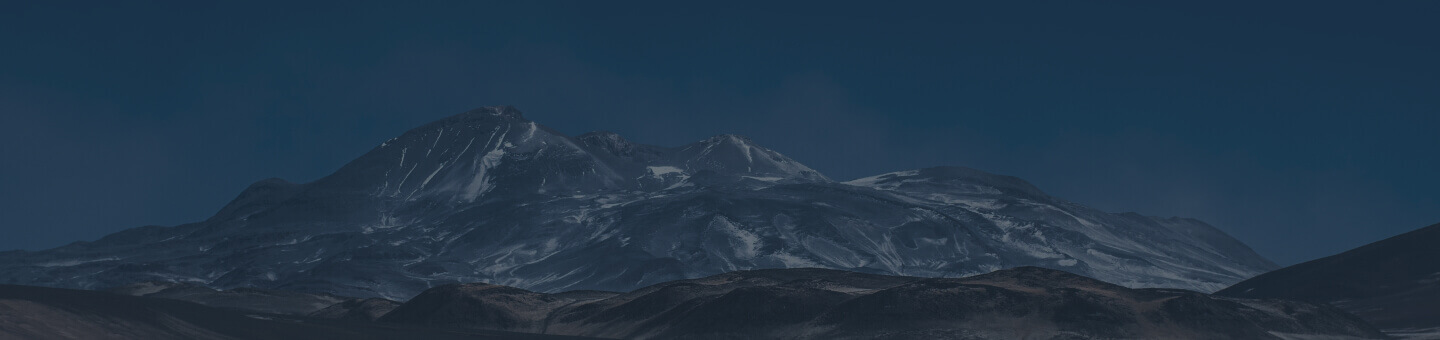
<point x="488" y="196"/>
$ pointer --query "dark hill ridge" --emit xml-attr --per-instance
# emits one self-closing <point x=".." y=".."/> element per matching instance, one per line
<point x="1393" y="283"/>
<point x="247" y="299"/>
<point x="357" y="310"/>
<point x="50" y="313"/>
<point x="489" y="196"/>
<point x="1026" y="302"/>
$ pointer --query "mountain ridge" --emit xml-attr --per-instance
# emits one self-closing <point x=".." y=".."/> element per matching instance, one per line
<point x="487" y="195"/>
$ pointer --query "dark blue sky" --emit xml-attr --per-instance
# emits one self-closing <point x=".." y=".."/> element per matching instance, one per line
<point x="1301" y="128"/>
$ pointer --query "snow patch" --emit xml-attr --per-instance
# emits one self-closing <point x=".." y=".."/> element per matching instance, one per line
<point x="659" y="171"/>
<point x="874" y="181"/>
<point x="745" y="244"/>
<point x="481" y="183"/>
<point x="765" y="179"/>
<point x="1413" y="333"/>
<point x="793" y="261"/>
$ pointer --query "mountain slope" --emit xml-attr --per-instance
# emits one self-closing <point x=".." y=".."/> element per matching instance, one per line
<point x="1393" y="283"/>
<point x="488" y="196"/>
<point x="1026" y="302"/>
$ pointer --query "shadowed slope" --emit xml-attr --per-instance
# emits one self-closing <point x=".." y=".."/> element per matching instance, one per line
<point x="1393" y="283"/>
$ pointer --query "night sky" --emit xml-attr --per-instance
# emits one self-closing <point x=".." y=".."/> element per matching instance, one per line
<point x="1301" y="128"/>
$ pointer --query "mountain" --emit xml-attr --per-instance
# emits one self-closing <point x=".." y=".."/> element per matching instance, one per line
<point x="1393" y="283"/>
<point x="489" y="196"/>
<point x="51" y="313"/>
<point x="1025" y="302"/>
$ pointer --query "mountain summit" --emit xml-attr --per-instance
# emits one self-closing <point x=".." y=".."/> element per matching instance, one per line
<point x="489" y="196"/>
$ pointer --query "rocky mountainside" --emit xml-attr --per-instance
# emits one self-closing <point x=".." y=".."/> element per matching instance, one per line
<point x="1393" y="283"/>
<point x="488" y="196"/>
<point x="1020" y="303"/>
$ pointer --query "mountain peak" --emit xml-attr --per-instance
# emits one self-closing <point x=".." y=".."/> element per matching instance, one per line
<point x="733" y="138"/>
<point x="727" y="139"/>
<point x="600" y="134"/>
<point x="737" y="154"/>
<point x="609" y="141"/>
<point x="480" y="120"/>
<point x="505" y="111"/>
